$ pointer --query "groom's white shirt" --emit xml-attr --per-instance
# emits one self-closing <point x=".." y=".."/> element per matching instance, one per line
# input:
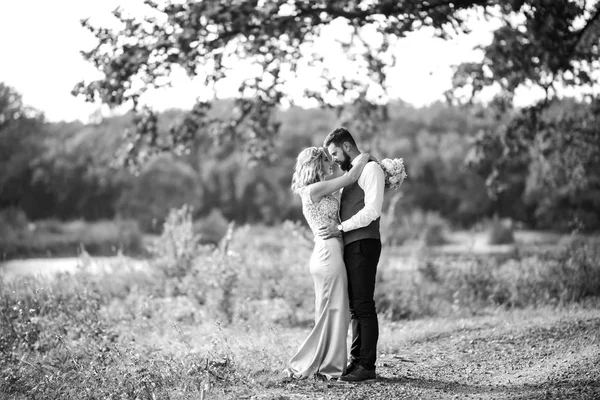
<point x="372" y="182"/>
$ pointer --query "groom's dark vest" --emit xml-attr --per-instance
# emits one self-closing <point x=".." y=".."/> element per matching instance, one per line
<point x="353" y="200"/>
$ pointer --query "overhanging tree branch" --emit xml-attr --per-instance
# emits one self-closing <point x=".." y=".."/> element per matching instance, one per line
<point x="272" y="35"/>
<point x="589" y="24"/>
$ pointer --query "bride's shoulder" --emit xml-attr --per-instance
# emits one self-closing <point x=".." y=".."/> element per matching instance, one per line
<point x="306" y="195"/>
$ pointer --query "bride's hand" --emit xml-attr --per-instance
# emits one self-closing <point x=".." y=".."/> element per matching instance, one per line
<point x="358" y="165"/>
<point x="372" y="158"/>
<point x="363" y="158"/>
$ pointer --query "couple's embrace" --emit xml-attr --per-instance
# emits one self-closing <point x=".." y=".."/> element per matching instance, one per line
<point x="343" y="209"/>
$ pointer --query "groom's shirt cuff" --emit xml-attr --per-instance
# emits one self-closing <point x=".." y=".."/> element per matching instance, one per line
<point x="372" y="182"/>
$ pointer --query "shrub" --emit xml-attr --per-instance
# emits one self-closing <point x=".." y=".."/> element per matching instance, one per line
<point x="433" y="235"/>
<point x="500" y="232"/>
<point x="206" y="273"/>
<point x="427" y="228"/>
<point x="178" y="245"/>
<point x="212" y="228"/>
<point x="13" y="219"/>
<point x="54" y="226"/>
<point x="441" y="284"/>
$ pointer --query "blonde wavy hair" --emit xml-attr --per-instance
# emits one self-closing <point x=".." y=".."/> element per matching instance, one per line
<point x="309" y="168"/>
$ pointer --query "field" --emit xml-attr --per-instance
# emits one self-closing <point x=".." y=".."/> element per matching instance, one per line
<point x="220" y="323"/>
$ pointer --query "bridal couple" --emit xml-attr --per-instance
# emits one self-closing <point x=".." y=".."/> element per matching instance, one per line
<point x="343" y="209"/>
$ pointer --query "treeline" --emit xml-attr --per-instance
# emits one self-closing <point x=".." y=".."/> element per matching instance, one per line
<point x="66" y="170"/>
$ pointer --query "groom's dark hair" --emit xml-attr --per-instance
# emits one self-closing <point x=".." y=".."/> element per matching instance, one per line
<point x="338" y="136"/>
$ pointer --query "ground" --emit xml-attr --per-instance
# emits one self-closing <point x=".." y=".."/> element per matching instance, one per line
<point x="528" y="354"/>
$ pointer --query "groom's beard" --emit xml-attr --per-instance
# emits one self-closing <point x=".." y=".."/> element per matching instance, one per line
<point x="346" y="163"/>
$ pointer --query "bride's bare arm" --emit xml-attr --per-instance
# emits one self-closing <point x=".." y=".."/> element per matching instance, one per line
<point x="320" y="189"/>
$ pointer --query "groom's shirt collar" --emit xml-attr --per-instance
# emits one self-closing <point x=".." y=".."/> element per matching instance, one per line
<point x="354" y="160"/>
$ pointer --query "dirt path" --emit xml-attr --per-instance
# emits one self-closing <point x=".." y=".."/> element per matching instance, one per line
<point x="522" y="354"/>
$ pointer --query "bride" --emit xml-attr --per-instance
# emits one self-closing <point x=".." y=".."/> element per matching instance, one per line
<point x="324" y="352"/>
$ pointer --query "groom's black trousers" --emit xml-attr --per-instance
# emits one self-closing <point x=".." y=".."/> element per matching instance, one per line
<point x="361" y="258"/>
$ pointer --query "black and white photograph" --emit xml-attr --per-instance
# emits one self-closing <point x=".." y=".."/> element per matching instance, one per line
<point x="299" y="199"/>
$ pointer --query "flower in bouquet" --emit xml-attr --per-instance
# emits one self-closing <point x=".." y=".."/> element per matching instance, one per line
<point x="394" y="172"/>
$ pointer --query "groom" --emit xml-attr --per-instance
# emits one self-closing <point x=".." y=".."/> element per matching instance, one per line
<point x="360" y="211"/>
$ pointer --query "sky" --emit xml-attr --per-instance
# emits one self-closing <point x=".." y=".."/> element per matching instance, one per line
<point x="41" y="40"/>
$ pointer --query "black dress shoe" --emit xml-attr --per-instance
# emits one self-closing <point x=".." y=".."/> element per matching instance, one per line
<point x="350" y="368"/>
<point x="360" y="374"/>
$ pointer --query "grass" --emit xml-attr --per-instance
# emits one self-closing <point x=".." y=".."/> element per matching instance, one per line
<point x="221" y="322"/>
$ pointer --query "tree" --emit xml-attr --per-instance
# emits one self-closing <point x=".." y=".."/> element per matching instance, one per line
<point x="551" y="153"/>
<point x="554" y="144"/>
<point x="164" y="183"/>
<point x="205" y="37"/>
<point x="21" y="142"/>
<point x="550" y="44"/>
<point x="75" y="171"/>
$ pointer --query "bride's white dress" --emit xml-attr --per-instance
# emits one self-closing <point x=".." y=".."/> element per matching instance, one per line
<point x="324" y="351"/>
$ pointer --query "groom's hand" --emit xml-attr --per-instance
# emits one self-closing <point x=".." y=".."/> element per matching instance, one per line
<point x="329" y="231"/>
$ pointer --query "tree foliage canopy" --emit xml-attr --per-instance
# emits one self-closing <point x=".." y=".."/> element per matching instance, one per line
<point x="21" y="139"/>
<point x="543" y="42"/>
<point x="551" y="44"/>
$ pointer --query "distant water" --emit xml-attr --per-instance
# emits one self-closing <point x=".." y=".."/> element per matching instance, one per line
<point x="47" y="267"/>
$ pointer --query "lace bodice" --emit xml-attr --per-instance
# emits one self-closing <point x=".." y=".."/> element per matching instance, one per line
<point x="321" y="213"/>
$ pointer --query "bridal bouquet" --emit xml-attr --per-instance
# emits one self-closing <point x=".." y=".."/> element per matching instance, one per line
<point x="394" y="172"/>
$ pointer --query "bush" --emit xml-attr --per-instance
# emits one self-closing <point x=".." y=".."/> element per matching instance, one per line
<point x="13" y="222"/>
<point x="441" y="285"/>
<point x="55" y="226"/>
<point x="433" y="235"/>
<point x="417" y="225"/>
<point x="212" y="228"/>
<point x="178" y="245"/>
<point x="500" y="232"/>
